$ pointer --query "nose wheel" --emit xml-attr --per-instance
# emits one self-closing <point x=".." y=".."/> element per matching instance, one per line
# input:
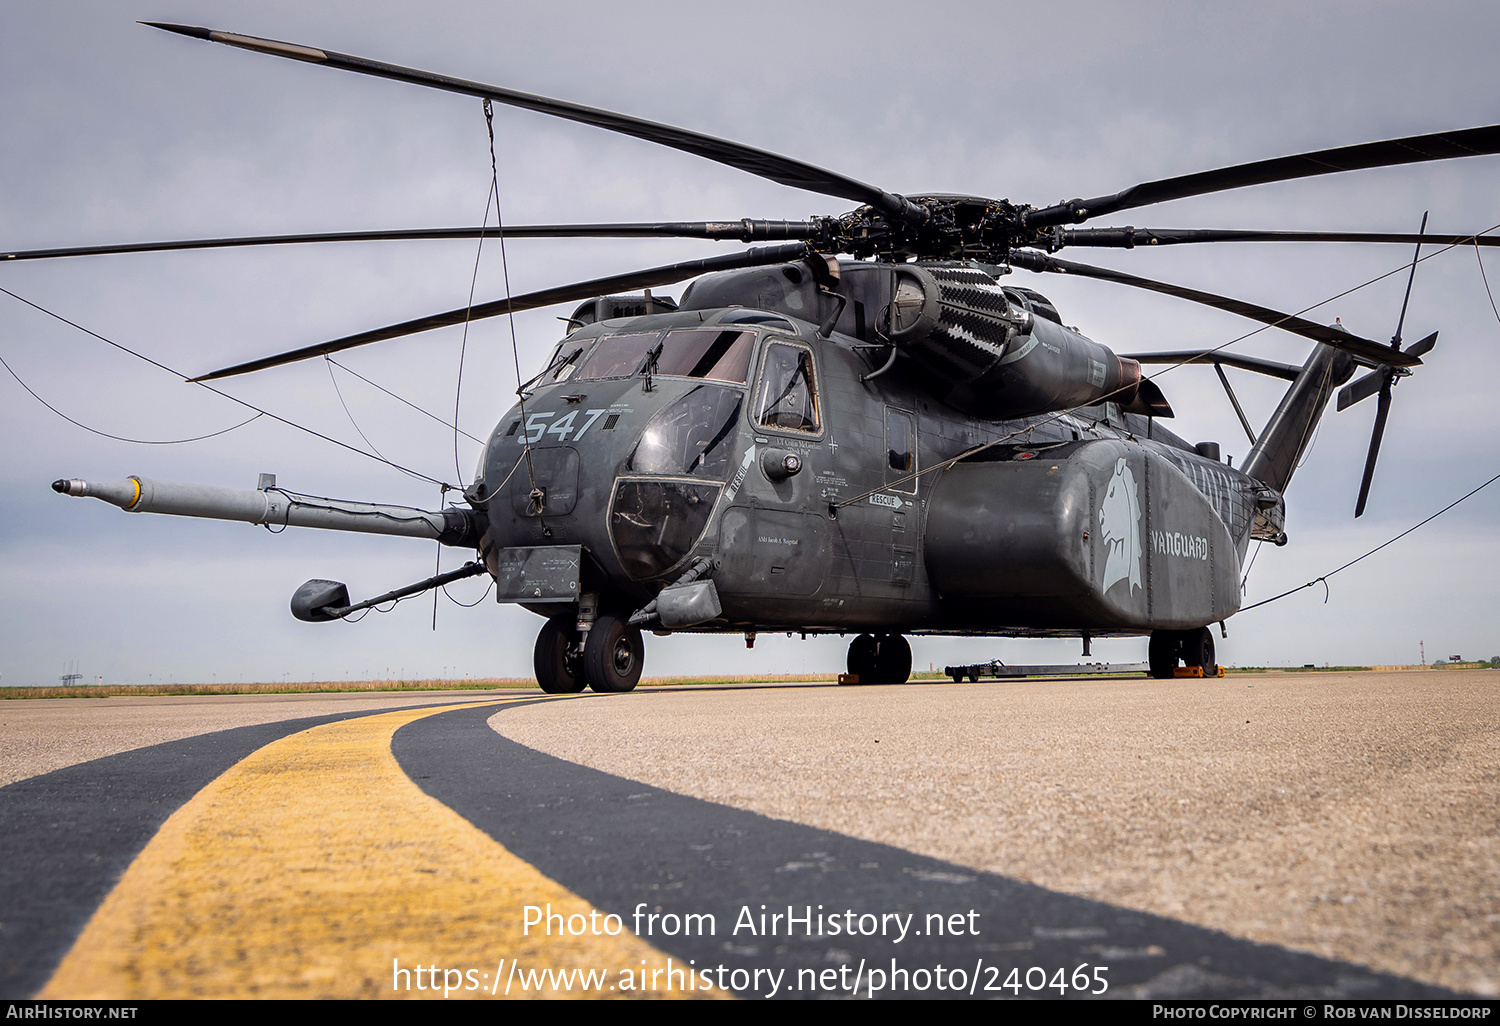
<point x="610" y="661"/>
<point x="558" y="671"/>
<point x="880" y="659"/>
<point x="613" y="654"/>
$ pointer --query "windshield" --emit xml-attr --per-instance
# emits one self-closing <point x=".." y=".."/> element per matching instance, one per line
<point x="616" y="356"/>
<point x="707" y="353"/>
<point x="714" y="353"/>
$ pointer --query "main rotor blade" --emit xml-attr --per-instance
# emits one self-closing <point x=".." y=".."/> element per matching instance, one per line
<point x="745" y="230"/>
<point x="531" y="301"/>
<point x="1367" y="349"/>
<point x="1130" y="238"/>
<point x="1415" y="149"/>
<point x="1380" y="414"/>
<point x="783" y="170"/>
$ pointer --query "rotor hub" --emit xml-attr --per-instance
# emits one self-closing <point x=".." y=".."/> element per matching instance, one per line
<point x="957" y="228"/>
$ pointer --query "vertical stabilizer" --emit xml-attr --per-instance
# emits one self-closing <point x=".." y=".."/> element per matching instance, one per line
<point x="1280" y="446"/>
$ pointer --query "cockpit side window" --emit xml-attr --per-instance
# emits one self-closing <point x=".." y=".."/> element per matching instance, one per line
<point x="788" y="390"/>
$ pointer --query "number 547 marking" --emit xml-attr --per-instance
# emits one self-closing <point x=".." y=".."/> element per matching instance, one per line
<point x="562" y="428"/>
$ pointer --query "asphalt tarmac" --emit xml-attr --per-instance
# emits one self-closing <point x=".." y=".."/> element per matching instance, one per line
<point x="1293" y="835"/>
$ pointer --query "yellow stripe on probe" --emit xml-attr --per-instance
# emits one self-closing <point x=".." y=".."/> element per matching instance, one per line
<point x="308" y="867"/>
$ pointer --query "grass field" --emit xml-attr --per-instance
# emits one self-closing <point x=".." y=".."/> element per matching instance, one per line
<point x="527" y="683"/>
<point x="311" y="687"/>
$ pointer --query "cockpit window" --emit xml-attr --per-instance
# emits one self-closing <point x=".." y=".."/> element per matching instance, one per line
<point x="788" y="394"/>
<point x="656" y="523"/>
<point x="561" y="364"/>
<point x="707" y="353"/>
<point x="715" y="353"/>
<point x="616" y="356"/>
<point x="565" y="363"/>
<point x="692" y="437"/>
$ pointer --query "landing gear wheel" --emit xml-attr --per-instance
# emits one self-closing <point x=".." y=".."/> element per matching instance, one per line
<point x="613" y="655"/>
<point x="1198" y="650"/>
<point x="892" y="659"/>
<point x="1166" y="646"/>
<point x="880" y="659"/>
<point x="556" y="671"/>
<point x="861" y="660"/>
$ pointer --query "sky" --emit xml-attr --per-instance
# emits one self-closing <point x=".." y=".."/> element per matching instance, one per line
<point x="115" y="132"/>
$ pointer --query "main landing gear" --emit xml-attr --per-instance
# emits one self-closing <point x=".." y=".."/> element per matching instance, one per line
<point x="1192" y="648"/>
<point x="610" y="661"/>
<point x="880" y="659"/>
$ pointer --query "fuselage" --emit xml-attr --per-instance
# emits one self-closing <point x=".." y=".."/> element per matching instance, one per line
<point x="829" y="497"/>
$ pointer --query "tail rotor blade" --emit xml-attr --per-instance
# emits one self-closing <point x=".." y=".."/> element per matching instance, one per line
<point x="1401" y="321"/>
<point x="1360" y="390"/>
<point x="1380" y="380"/>
<point x="1423" y="347"/>
<point x="1380" y="414"/>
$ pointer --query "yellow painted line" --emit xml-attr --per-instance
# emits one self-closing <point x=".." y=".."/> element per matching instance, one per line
<point x="315" y="868"/>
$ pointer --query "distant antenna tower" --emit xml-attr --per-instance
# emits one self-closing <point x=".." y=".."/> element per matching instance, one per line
<point x="1422" y="649"/>
<point x="72" y="677"/>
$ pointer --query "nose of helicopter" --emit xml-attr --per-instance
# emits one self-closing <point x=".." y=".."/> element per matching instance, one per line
<point x="634" y="479"/>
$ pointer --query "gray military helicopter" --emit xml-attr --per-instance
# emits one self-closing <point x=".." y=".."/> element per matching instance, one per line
<point x="894" y="443"/>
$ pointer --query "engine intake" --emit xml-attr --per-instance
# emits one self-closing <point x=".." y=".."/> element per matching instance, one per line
<point x="1000" y="352"/>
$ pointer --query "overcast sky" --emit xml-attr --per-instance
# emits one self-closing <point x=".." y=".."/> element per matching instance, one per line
<point x="115" y="132"/>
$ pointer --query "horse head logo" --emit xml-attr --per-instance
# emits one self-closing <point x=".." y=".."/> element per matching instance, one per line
<point x="1120" y="529"/>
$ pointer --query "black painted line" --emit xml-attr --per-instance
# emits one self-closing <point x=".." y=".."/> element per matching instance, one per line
<point x="621" y="844"/>
<point x="67" y="836"/>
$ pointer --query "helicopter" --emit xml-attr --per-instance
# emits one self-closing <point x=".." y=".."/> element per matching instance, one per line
<point x="891" y="444"/>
